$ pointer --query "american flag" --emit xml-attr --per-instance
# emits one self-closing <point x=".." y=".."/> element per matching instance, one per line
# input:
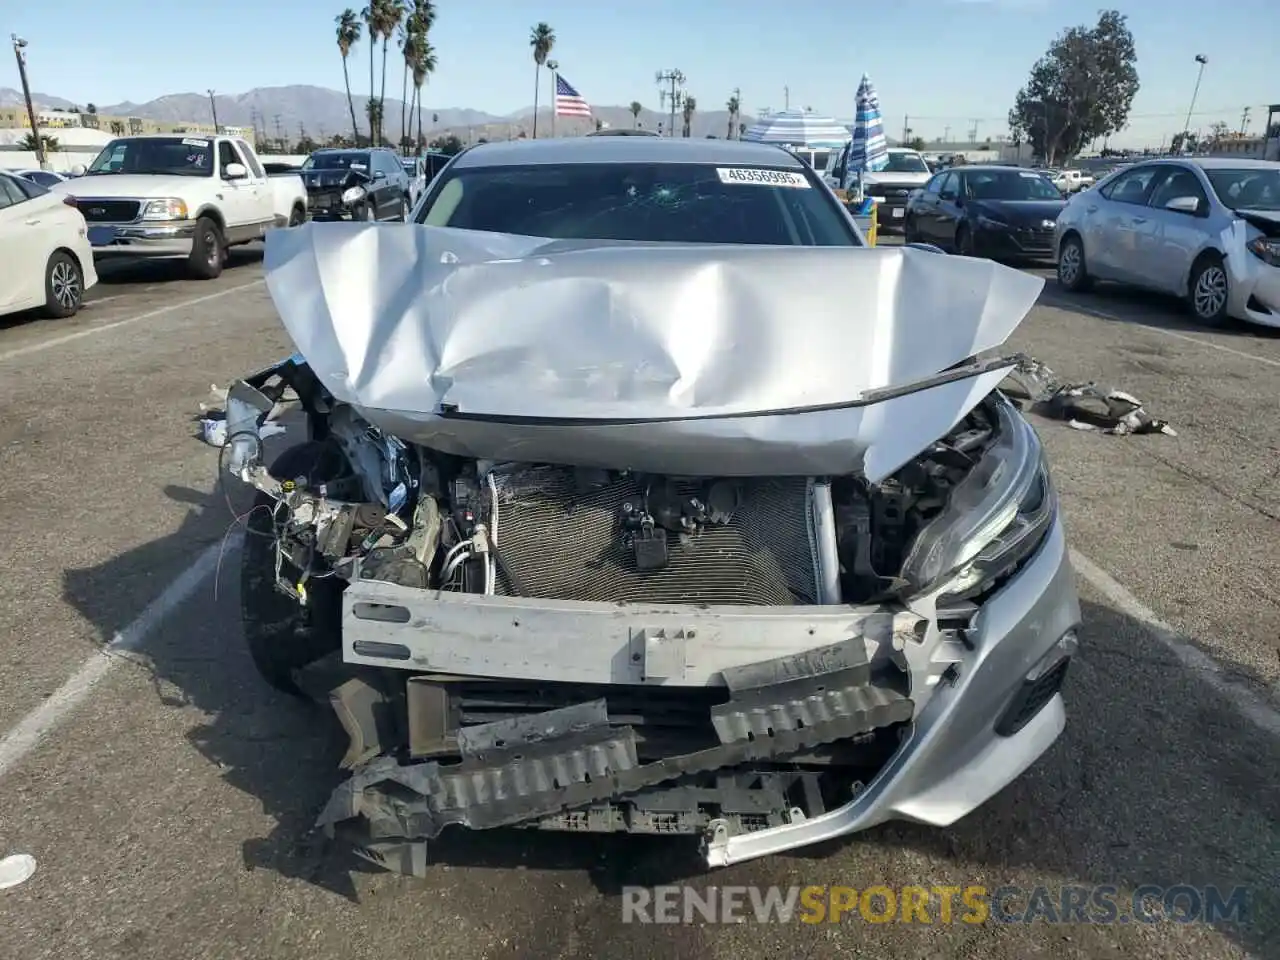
<point x="569" y="102"/>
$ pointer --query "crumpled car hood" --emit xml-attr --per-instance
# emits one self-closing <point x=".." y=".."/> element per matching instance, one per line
<point x="693" y="360"/>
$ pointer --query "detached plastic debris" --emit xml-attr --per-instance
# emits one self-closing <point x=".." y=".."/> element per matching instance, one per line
<point x="213" y="423"/>
<point x="1084" y="406"/>
<point x="16" y="870"/>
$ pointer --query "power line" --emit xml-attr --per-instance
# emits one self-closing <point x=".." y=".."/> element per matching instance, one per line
<point x="1228" y="111"/>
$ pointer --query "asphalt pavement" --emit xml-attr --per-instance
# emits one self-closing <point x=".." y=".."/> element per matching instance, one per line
<point x="167" y="795"/>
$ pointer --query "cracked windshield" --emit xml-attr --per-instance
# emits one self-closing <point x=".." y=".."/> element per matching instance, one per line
<point x="561" y="483"/>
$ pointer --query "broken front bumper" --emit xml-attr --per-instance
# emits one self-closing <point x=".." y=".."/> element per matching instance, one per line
<point x="971" y="709"/>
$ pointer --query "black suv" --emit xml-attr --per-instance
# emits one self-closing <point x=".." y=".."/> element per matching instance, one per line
<point x="333" y="172"/>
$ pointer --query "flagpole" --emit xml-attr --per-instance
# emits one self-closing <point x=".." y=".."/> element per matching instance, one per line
<point x="555" y="92"/>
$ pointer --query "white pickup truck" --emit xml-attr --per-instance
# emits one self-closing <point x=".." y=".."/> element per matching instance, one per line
<point x="177" y="196"/>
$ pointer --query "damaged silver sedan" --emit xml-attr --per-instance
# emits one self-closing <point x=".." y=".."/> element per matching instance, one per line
<point x="721" y="535"/>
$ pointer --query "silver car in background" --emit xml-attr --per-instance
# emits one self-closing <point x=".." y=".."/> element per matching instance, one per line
<point x="1205" y="229"/>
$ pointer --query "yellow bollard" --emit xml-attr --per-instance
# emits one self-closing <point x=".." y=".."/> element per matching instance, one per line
<point x="871" y="234"/>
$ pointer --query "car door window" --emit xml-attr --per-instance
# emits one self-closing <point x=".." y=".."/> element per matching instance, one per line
<point x="950" y="188"/>
<point x="1178" y="183"/>
<point x="30" y="187"/>
<point x="251" y="158"/>
<point x="226" y="155"/>
<point x="1131" y="187"/>
<point x="10" y="193"/>
<point x="933" y="186"/>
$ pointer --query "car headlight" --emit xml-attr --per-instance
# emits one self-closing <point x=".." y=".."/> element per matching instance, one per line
<point x="995" y="518"/>
<point x="990" y="223"/>
<point x="169" y="208"/>
<point x="1266" y="249"/>
<point x="353" y="194"/>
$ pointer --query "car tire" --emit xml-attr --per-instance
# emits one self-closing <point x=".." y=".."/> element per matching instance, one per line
<point x="282" y="635"/>
<point x="1209" y="290"/>
<point x="964" y="241"/>
<point x="208" y="252"/>
<point x="298" y="216"/>
<point x="909" y="232"/>
<point x="63" y="286"/>
<point x="369" y="214"/>
<point x="1073" y="276"/>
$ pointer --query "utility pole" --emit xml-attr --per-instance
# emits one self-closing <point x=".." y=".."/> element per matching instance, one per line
<point x="946" y="134"/>
<point x="973" y="131"/>
<point x="213" y="105"/>
<point x="673" y="78"/>
<point x="302" y="132"/>
<point x="18" y="45"/>
<point x="1244" y="121"/>
<point x="279" y="132"/>
<point x="786" y="98"/>
<point x="737" y="98"/>
<point x="1202" y="60"/>
<point x="554" y="67"/>
<point x="906" y="129"/>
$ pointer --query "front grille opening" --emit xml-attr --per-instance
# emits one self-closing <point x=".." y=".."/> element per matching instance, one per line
<point x="1031" y="698"/>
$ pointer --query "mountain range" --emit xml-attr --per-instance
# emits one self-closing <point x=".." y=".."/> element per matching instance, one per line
<point x="287" y="112"/>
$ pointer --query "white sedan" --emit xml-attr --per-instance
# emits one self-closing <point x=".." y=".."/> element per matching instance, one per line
<point x="45" y="257"/>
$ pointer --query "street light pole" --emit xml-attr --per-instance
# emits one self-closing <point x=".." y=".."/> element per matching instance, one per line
<point x="18" y="45"/>
<point x="554" y="67"/>
<point x="1186" y="127"/>
<point x="214" y="107"/>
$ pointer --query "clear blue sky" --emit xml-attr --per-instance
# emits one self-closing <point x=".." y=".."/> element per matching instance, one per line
<point x="945" y="62"/>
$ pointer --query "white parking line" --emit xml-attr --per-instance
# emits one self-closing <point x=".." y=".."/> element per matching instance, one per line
<point x="1252" y="706"/>
<point x="32" y="729"/>
<point x="92" y="331"/>
<point x="41" y="721"/>
<point x="1070" y="307"/>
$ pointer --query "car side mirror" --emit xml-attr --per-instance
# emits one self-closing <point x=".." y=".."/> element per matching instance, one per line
<point x="379" y="175"/>
<point x="947" y="195"/>
<point x="234" y="171"/>
<point x="78" y="170"/>
<point x="1187" y="205"/>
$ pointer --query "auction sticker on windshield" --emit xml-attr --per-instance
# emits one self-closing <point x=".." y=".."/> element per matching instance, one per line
<point x="763" y="178"/>
<point x="189" y="142"/>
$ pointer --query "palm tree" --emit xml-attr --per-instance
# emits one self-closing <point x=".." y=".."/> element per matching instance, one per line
<point x="391" y="12"/>
<point x="408" y="41"/>
<point x="690" y="105"/>
<point x="417" y="53"/>
<point x="541" y="38"/>
<point x="372" y="15"/>
<point x="635" y="113"/>
<point x="348" y="35"/>
<point x="734" y="106"/>
<point x="423" y="67"/>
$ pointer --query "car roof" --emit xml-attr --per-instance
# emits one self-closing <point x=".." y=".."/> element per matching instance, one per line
<point x="627" y="150"/>
<point x="1231" y="163"/>
<point x="1007" y="167"/>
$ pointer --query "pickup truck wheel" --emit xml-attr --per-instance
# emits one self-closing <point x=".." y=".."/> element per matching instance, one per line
<point x="283" y="636"/>
<point x="207" y="251"/>
<point x="63" y="286"/>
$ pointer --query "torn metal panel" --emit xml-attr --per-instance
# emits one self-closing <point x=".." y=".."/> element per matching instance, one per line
<point x="697" y="360"/>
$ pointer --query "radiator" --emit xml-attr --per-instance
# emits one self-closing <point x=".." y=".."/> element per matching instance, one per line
<point x="562" y="542"/>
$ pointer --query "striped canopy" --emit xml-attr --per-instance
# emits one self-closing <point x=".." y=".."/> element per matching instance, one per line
<point x="799" y="129"/>
<point x="868" y="151"/>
